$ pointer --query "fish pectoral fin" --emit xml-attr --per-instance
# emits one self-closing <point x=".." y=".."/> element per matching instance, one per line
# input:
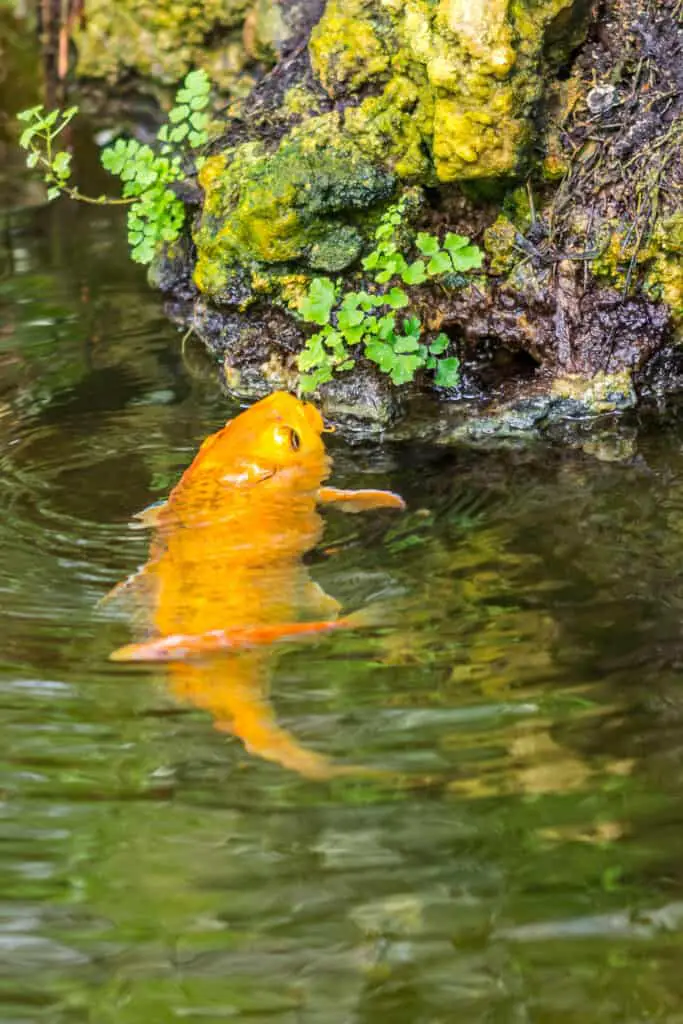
<point x="148" y="517"/>
<point x="182" y="646"/>
<point x="360" y="501"/>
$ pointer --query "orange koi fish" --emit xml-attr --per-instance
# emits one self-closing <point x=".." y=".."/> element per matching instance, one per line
<point x="225" y="575"/>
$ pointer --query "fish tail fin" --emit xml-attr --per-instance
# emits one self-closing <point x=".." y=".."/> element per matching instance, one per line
<point x="267" y="740"/>
<point x="252" y="721"/>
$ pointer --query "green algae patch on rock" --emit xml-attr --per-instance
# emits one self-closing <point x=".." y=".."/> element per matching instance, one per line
<point x="299" y="101"/>
<point x="475" y="144"/>
<point x="499" y="243"/>
<point x="664" y="278"/>
<point x="425" y="92"/>
<point x="297" y="203"/>
<point x="351" y="45"/>
<point x="626" y="259"/>
<point x="476" y="70"/>
<point x="164" y="39"/>
<point x="602" y="393"/>
<point x="392" y="128"/>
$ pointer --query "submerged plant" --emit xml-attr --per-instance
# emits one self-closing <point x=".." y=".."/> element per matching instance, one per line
<point x="156" y="214"/>
<point x="368" y="323"/>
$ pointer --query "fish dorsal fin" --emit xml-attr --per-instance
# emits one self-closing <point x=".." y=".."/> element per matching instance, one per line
<point x="209" y="441"/>
<point x="140" y="586"/>
<point x="149" y="517"/>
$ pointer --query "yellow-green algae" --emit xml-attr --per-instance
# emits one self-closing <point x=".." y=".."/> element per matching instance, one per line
<point x="295" y="203"/>
<point x="164" y="39"/>
<point x="658" y="259"/>
<point x="475" y="67"/>
<point x="349" y="47"/>
<point x="300" y="101"/>
<point x="665" y="275"/>
<point x="390" y="128"/>
<point x="601" y="393"/>
<point x="499" y="242"/>
<point x="447" y="90"/>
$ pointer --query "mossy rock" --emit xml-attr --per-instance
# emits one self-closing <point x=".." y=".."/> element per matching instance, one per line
<point x="664" y="278"/>
<point x="164" y="39"/>
<point x="656" y="261"/>
<point x="461" y="78"/>
<point x="298" y="203"/>
<point x="499" y="243"/>
<point x="423" y="92"/>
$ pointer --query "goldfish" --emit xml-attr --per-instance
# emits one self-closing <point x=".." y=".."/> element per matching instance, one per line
<point x="225" y="579"/>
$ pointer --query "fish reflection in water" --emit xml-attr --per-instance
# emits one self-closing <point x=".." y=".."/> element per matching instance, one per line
<point x="225" y="578"/>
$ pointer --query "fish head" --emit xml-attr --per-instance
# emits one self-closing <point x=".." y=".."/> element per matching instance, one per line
<point x="285" y="430"/>
<point x="279" y="436"/>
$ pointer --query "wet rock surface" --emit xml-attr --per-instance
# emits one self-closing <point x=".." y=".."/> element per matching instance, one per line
<point x="235" y="41"/>
<point x="551" y="141"/>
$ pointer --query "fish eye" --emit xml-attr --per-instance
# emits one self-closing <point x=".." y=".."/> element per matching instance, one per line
<point x="294" y="440"/>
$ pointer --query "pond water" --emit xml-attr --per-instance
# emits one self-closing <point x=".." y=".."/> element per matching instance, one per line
<point x="523" y="861"/>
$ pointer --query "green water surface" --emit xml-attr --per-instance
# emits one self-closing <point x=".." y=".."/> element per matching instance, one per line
<point x="525" y="864"/>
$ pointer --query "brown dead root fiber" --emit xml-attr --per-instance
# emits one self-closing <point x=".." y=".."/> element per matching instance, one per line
<point x="623" y="133"/>
<point x="573" y="301"/>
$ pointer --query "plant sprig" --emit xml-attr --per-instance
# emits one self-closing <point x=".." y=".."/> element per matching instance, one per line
<point x="156" y="214"/>
<point x="38" y="137"/>
<point x="363" y="322"/>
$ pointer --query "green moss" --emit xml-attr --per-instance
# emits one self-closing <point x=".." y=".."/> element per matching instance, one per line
<point x="460" y="78"/>
<point x="348" y="47"/>
<point x="162" y="39"/>
<point x="337" y="250"/>
<point x="517" y="209"/>
<point x="499" y="241"/>
<point x="295" y="204"/>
